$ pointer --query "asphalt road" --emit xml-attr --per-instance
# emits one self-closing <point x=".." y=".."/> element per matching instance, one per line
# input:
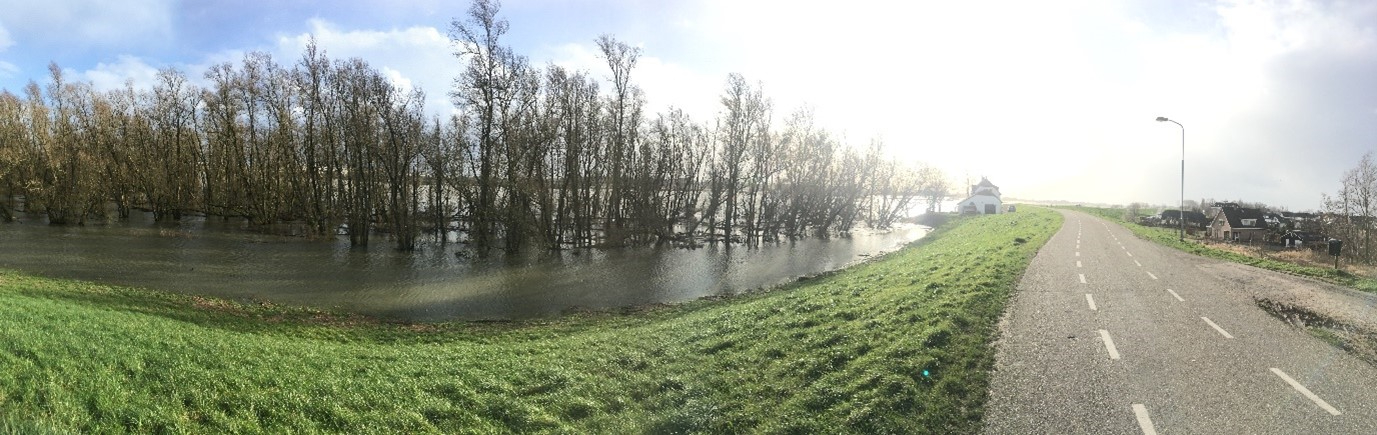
<point x="1109" y="334"/>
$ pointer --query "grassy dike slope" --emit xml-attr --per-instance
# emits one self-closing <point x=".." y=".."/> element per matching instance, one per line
<point x="846" y="352"/>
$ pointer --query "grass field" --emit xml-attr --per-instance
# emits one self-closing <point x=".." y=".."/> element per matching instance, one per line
<point x="898" y="345"/>
<point x="1169" y="237"/>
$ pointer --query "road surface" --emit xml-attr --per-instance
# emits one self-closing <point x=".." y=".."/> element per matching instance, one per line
<point x="1110" y="334"/>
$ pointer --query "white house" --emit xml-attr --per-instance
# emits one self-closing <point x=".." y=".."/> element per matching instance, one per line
<point x="984" y="199"/>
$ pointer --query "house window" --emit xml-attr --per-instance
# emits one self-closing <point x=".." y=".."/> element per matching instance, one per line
<point x="1248" y="222"/>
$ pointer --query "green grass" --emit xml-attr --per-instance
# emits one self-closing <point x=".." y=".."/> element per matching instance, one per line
<point x="1169" y="237"/>
<point x="898" y="345"/>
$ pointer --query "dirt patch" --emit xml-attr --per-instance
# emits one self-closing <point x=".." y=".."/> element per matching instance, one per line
<point x="1342" y="304"/>
<point x="219" y="305"/>
<point x="274" y="313"/>
<point x="1342" y="316"/>
<point x="1356" y="340"/>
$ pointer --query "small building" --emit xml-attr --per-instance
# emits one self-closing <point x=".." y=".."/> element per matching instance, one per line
<point x="984" y="199"/>
<point x="1304" y="239"/>
<point x="1237" y="224"/>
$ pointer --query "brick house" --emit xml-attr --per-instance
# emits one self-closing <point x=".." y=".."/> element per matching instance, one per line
<point x="1237" y="224"/>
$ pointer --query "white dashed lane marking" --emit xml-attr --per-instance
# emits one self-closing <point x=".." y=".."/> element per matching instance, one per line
<point x="1144" y="422"/>
<point x="1109" y="344"/>
<point x="1216" y="327"/>
<point x="1090" y="300"/>
<point x="1178" y="297"/>
<point x="1151" y="275"/>
<point x="1082" y="275"/>
<point x="1305" y="391"/>
<point x="1137" y="263"/>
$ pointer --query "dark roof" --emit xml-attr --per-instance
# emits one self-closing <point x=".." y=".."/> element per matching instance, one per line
<point x="1305" y="236"/>
<point x="1191" y="216"/>
<point x="1236" y="215"/>
<point x="1288" y="214"/>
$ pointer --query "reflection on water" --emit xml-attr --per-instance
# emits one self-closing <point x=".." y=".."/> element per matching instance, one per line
<point x="211" y="257"/>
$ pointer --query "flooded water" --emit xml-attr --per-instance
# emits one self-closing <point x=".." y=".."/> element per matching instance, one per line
<point x="210" y="257"/>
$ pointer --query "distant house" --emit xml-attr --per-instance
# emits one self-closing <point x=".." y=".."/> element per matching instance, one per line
<point x="1302" y="221"/>
<point x="1276" y="222"/>
<point x="1237" y="224"/>
<point x="1172" y="218"/>
<point x="984" y="199"/>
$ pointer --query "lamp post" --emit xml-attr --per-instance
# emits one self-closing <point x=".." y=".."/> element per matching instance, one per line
<point x="1181" y="213"/>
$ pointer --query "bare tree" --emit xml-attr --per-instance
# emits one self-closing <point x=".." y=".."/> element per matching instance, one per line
<point x="537" y="155"/>
<point x="936" y="187"/>
<point x="743" y="123"/>
<point x="1350" y="214"/>
<point x="481" y="90"/>
<point x="621" y="59"/>
<point x="170" y="188"/>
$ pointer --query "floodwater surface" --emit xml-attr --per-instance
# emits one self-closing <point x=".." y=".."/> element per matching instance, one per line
<point x="211" y="257"/>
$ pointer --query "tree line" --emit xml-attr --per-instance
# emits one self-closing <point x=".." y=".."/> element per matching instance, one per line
<point x="1351" y="213"/>
<point x="538" y="156"/>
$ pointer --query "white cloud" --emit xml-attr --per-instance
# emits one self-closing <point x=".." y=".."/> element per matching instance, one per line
<point x="669" y="84"/>
<point x="111" y="76"/>
<point x="1057" y="99"/>
<point x="84" y="23"/>
<point x="664" y="83"/>
<point x="1265" y="28"/>
<point x="5" y="40"/>
<point x="397" y="79"/>
<point x="8" y="69"/>
<point x="418" y="56"/>
<point x="576" y="57"/>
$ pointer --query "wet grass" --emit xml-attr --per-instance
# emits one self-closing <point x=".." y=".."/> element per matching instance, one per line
<point x="1169" y="237"/>
<point x="901" y="344"/>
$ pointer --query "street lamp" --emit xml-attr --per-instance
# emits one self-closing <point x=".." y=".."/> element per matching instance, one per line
<point x="1181" y="213"/>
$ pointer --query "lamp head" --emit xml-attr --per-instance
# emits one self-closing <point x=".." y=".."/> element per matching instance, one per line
<point x="1162" y="118"/>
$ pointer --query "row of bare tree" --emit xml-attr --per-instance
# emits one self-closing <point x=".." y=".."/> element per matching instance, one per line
<point x="537" y="157"/>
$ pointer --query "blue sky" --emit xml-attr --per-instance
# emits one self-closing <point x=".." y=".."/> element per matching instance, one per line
<point x="1050" y="99"/>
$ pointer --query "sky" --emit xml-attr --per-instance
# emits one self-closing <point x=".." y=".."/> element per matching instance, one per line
<point x="1052" y="100"/>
